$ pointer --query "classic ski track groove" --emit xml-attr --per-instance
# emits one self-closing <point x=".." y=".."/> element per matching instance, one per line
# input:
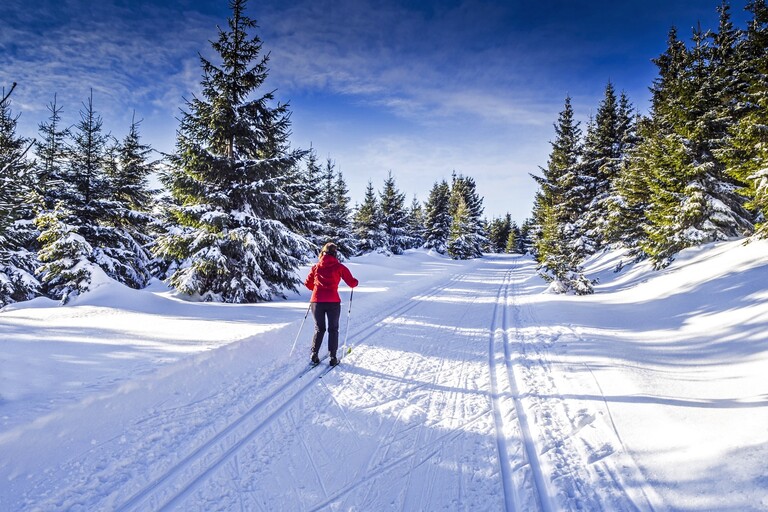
<point x="529" y="443"/>
<point x="511" y="502"/>
<point x="165" y="481"/>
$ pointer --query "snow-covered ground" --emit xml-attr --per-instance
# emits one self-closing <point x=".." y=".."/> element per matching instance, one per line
<point x="468" y="387"/>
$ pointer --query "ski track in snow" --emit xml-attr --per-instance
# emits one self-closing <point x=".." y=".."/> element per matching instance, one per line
<point x="448" y="401"/>
<point x="581" y="451"/>
<point x="210" y="456"/>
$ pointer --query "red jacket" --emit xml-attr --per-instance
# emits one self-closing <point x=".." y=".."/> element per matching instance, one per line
<point x="324" y="279"/>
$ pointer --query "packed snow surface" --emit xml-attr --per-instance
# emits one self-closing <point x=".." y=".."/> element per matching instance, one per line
<point x="467" y="387"/>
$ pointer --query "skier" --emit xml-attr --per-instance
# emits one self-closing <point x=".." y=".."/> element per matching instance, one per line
<point x="323" y="280"/>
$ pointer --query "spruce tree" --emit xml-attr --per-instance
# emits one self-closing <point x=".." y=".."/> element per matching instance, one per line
<point x="67" y="269"/>
<point x="693" y="200"/>
<point x="367" y="224"/>
<point x="461" y="240"/>
<point x="602" y="158"/>
<point x="394" y="217"/>
<point x="122" y="248"/>
<point x="560" y="246"/>
<point x="52" y="154"/>
<point x="746" y="153"/>
<point x="499" y="230"/>
<point x="437" y="217"/>
<point x="17" y="182"/>
<point x="130" y="178"/>
<point x="415" y="224"/>
<point x="311" y="199"/>
<point x="91" y="204"/>
<point x="514" y="239"/>
<point x="340" y="220"/>
<point x="86" y="182"/>
<point x="625" y="206"/>
<point x="70" y="232"/>
<point x="236" y="223"/>
<point x="464" y="196"/>
<point x="335" y="211"/>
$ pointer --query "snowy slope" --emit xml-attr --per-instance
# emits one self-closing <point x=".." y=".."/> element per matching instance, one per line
<point x="467" y="388"/>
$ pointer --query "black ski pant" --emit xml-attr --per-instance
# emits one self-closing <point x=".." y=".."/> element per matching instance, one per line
<point x="321" y="310"/>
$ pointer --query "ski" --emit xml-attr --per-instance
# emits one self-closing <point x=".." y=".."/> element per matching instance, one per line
<point x="327" y="370"/>
<point x="310" y="366"/>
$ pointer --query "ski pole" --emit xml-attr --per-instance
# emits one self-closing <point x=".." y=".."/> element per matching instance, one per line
<point x="346" y="350"/>
<point x="300" y="328"/>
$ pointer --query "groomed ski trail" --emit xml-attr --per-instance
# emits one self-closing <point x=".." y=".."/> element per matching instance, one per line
<point x="446" y="402"/>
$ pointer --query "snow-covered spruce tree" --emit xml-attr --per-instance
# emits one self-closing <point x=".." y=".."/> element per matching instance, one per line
<point x="628" y="223"/>
<point x="394" y="217"/>
<point x="17" y="181"/>
<point x="235" y="221"/>
<point x="124" y="232"/>
<point x="415" y="224"/>
<point x="625" y="206"/>
<point x="746" y="152"/>
<point x="52" y="155"/>
<point x="513" y="243"/>
<point x="471" y="231"/>
<point x="525" y="242"/>
<point x="560" y="247"/>
<point x="335" y="211"/>
<point x="693" y="200"/>
<point x="312" y="197"/>
<point x="498" y="230"/>
<point x="67" y="269"/>
<point x="461" y="240"/>
<point x="85" y="191"/>
<point x="130" y="178"/>
<point x="607" y="141"/>
<point x="437" y="217"/>
<point x="367" y="224"/>
<point x="341" y="218"/>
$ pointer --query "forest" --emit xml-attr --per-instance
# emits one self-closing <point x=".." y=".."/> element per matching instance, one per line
<point x="692" y="171"/>
<point x="239" y="209"/>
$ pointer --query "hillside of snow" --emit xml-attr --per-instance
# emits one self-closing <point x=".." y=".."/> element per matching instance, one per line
<point x="468" y="387"/>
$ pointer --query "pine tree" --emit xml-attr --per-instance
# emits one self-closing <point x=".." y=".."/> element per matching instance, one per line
<point x="415" y="224"/>
<point x="693" y="201"/>
<point x="335" y="211"/>
<point x="464" y="196"/>
<point x="67" y="269"/>
<point x="602" y="157"/>
<point x="126" y="229"/>
<point x="311" y="199"/>
<point x="367" y="224"/>
<point x="51" y="156"/>
<point x="514" y="239"/>
<point x="341" y="221"/>
<point x="461" y="241"/>
<point x="746" y="152"/>
<point x="499" y="230"/>
<point x="437" y="217"/>
<point x="394" y="217"/>
<point x="17" y="182"/>
<point x="236" y="222"/>
<point x="560" y="246"/>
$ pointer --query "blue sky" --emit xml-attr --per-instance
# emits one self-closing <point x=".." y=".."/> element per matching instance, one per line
<point x="419" y="88"/>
